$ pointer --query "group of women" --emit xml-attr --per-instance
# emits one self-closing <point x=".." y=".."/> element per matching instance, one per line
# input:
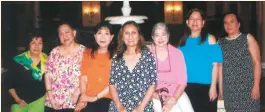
<point x="135" y="78"/>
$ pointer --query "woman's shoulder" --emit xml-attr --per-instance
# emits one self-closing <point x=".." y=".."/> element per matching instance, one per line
<point x="55" y="50"/>
<point x="146" y="52"/>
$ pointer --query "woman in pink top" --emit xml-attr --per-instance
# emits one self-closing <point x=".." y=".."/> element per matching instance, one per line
<point x="171" y="69"/>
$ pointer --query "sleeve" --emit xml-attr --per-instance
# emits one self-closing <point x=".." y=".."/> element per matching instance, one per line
<point x="182" y="72"/>
<point x="49" y="68"/>
<point x="152" y="69"/>
<point x="216" y="53"/>
<point x="84" y="63"/>
<point x="9" y="80"/>
<point x="113" y="72"/>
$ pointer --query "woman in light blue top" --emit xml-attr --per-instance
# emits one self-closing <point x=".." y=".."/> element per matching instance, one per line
<point x="202" y="55"/>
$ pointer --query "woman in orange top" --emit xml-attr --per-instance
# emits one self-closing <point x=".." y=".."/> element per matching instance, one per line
<point x="95" y="71"/>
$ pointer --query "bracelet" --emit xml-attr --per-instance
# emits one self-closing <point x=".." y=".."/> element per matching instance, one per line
<point x="48" y="90"/>
<point x="97" y="97"/>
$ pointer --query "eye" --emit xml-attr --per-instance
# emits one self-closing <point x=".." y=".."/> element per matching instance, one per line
<point x="99" y="32"/>
<point x="107" y="33"/>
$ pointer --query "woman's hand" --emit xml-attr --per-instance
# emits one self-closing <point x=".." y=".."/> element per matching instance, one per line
<point x="169" y="104"/>
<point x="74" y="98"/>
<point x="85" y="98"/>
<point x="138" y="109"/>
<point x="55" y="105"/>
<point x="120" y="108"/>
<point x="212" y="93"/>
<point x="80" y="106"/>
<point x="21" y="103"/>
<point x="255" y="93"/>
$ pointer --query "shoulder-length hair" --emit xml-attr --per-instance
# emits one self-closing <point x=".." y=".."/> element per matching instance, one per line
<point x="187" y="30"/>
<point x="121" y="45"/>
<point x="94" y="44"/>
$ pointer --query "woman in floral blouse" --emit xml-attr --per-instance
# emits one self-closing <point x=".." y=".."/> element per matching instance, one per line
<point x="133" y="73"/>
<point x="63" y="71"/>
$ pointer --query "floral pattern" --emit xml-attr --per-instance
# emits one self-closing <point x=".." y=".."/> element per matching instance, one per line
<point x="64" y="76"/>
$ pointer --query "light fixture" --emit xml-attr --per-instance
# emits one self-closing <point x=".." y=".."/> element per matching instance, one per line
<point x="91" y="12"/>
<point x="173" y="11"/>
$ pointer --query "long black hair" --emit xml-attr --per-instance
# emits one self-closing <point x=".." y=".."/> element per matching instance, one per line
<point x="94" y="44"/>
<point x="187" y="30"/>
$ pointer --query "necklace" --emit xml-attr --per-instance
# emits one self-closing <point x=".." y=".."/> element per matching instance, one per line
<point x="232" y="38"/>
<point x="163" y="71"/>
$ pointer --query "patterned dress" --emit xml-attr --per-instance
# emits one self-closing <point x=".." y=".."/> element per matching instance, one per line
<point x="132" y="86"/>
<point x="238" y="76"/>
<point x="64" y="74"/>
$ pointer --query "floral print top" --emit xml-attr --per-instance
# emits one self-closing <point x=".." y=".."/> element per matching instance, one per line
<point x="64" y="72"/>
<point x="132" y="85"/>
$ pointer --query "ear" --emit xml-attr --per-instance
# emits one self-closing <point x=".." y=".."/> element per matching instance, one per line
<point x="111" y="37"/>
<point x="187" y="21"/>
<point x="74" y="31"/>
<point x="239" y="24"/>
<point x="95" y="36"/>
<point x="203" y="22"/>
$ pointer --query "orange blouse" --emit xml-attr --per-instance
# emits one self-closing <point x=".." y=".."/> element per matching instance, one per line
<point x="97" y="70"/>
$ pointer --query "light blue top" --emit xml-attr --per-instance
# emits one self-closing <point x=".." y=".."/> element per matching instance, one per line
<point x="199" y="59"/>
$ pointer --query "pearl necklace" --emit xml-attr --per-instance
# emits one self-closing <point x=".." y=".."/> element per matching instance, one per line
<point x="232" y="38"/>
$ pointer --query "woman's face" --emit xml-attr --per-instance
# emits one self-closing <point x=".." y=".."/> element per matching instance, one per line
<point x="195" y="21"/>
<point x="36" y="45"/>
<point x="160" y="37"/>
<point x="130" y="36"/>
<point x="66" y="34"/>
<point x="231" y="24"/>
<point x="103" y="37"/>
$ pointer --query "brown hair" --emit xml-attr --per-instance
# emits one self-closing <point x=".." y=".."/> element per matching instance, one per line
<point x="121" y="45"/>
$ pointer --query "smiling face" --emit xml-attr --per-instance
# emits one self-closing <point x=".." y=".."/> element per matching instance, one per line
<point x="160" y="37"/>
<point x="130" y="36"/>
<point x="66" y="34"/>
<point x="103" y="37"/>
<point x="195" y="21"/>
<point x="231" y="24"/>
<point x="36" y="45"/>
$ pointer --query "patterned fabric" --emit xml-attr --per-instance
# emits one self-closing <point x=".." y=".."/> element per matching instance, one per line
<point x="238" y="76"/>
<point x="132" y="86"/>
<point x="64" y="75"/>
<point x="26" y="61"/>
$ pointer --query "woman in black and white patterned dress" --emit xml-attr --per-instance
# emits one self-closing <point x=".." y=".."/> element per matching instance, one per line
<point x="241" y="70"/>
<point x="133" y="73"/>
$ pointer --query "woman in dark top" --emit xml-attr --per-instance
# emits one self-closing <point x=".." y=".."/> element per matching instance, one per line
<point x="25" y="80"/>
<point x="241" y="72"/>
<point x="133" y="72"/>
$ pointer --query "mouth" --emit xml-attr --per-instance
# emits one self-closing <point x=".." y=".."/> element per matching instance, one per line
<point x="102" y="41"/>
<point x="160" y="42"/>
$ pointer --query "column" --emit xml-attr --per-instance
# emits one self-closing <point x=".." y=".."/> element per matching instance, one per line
<point x="263" y="33"/>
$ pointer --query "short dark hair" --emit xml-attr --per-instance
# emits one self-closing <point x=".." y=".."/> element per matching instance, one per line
<point x="35" y="33"/>
<point x="239" y="20"/>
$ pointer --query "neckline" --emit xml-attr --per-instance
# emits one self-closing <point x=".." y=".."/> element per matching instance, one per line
<point x="194" y="37"/>
<point x="233" y="38"/>
<point x="70" y="56"/>
<point x="138" y="61"/>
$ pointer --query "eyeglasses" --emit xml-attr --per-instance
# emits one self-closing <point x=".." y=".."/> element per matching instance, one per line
<point x="163" y="71"/>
